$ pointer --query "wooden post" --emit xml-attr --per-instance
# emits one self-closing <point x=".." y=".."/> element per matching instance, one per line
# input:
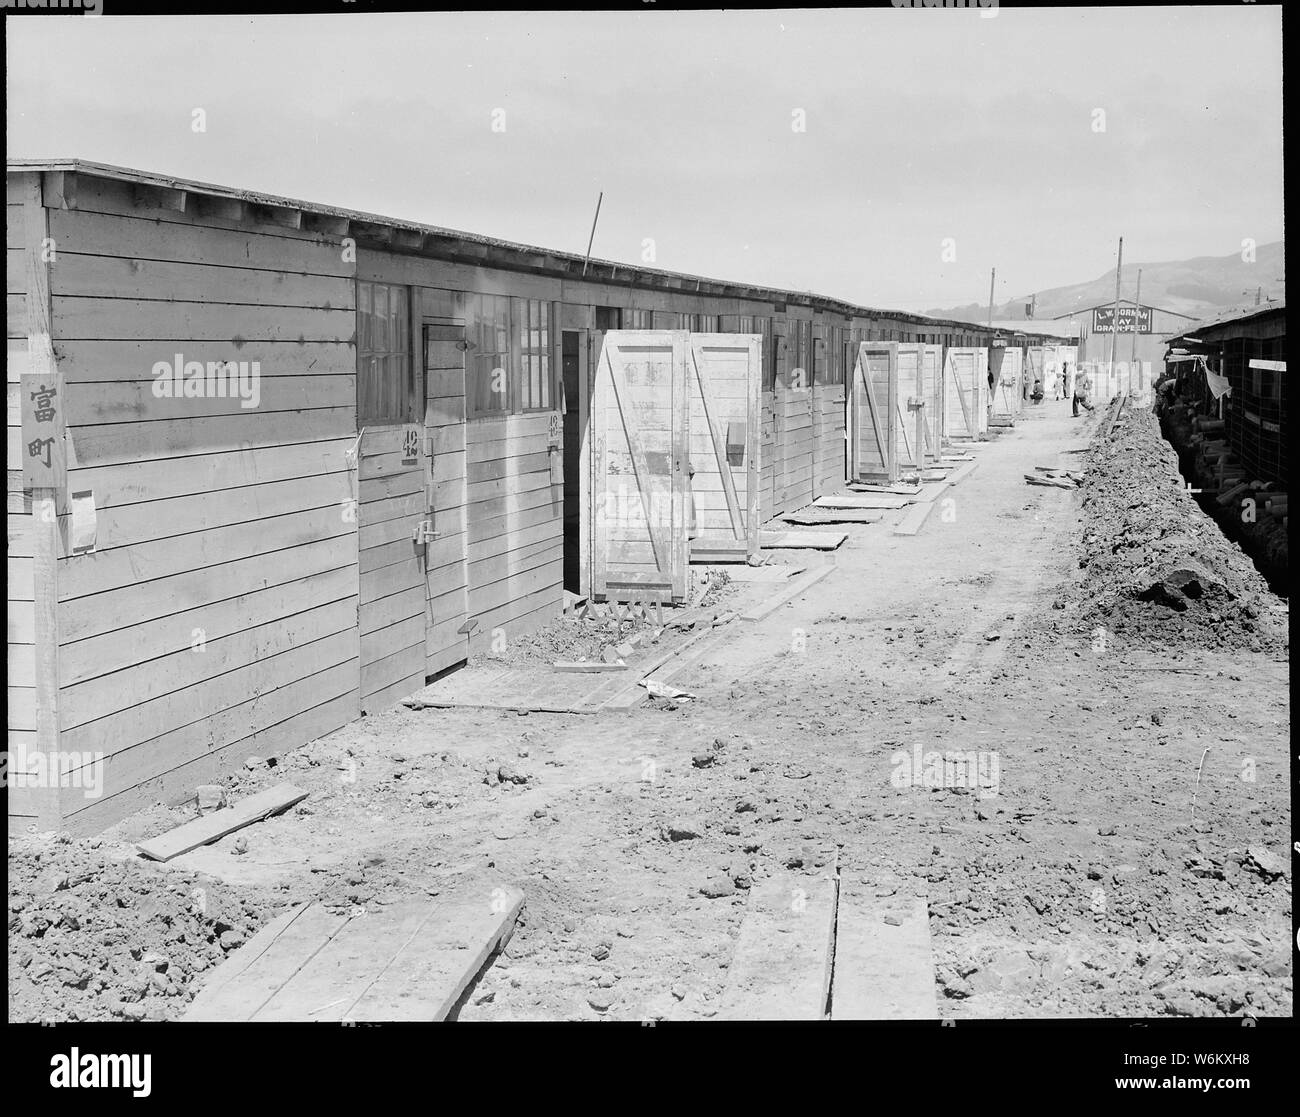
<point x="1114" y="323"/>
<point x="1137" y="309"/>
<point x="920" y="438"/>
<point x="46" y="504"/>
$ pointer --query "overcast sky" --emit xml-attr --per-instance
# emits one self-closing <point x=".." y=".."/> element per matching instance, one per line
<point x="920" y="126"/>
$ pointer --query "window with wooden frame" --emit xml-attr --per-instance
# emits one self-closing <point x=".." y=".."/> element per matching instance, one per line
<point x="835" y="358"/>
<point x="750" y="324"/>
<point x="488" y="369"/>
<point x="533" y="330"/>
<point x="819" y="370"/>
<point x="388" y="383"/>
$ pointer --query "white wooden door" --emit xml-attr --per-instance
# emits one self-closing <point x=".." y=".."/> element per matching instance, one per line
<point x="637" y="454"/>
<point x="723" y="383"/>
<point x="871" y="403"/>
<point x="966" y="398"/>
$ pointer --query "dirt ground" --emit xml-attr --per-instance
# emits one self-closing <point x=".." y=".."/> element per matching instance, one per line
<point x="1124" y="852"/>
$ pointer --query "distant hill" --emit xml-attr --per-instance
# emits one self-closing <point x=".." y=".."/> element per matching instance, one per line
<point x="1201" y="287"/>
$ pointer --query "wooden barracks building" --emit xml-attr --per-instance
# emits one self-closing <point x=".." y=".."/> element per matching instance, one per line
<point x="272" y="465"/>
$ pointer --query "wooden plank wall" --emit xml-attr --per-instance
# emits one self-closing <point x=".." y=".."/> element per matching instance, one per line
<point x="770" y="494"/>
<point x="828" y="412"/>
<point x="217" y="615"/>
<point x="27" y="802"/>
<point x="393" y="589"/>
<point x="515" y="516"/>
<point x="796" y="401"/>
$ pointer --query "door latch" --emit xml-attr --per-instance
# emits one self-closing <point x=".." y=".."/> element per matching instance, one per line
<point x="423" y="532"/>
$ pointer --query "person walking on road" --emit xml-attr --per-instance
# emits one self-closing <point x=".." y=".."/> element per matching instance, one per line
<point x="1081" y="387"/>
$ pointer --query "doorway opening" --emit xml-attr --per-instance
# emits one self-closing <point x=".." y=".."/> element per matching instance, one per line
<point x="571" y="370"/>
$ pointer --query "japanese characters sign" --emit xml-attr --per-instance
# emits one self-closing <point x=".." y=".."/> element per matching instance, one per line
<point x="43" y="450"/>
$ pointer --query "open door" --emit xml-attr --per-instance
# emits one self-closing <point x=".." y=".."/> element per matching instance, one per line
<point x="446" y="584"/>
<point x="723" y="383"/>
<point x="1006" y="365"/>
<point x="869" y="423"/>
<point x="1034" y="359"/>
<point x="637" y="456"/>
<point x="575" y="387"/>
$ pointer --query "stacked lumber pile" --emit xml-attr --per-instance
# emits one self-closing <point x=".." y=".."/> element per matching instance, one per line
<point x="1055" y="478"/>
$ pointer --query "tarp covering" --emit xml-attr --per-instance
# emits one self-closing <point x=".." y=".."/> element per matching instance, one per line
<point x="1218" y="385"/>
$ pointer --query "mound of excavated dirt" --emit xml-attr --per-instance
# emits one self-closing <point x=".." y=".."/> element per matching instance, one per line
<point x="1153" y="565"/>
<point x="97" y="937"/>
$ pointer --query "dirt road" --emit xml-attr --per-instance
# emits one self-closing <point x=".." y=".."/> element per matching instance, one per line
<point x="1072" y="879"/>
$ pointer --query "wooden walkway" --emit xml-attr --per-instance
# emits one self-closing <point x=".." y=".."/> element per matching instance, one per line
<point x="411" y="961"/>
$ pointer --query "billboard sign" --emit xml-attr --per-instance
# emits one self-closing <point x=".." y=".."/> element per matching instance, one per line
<point x="1103" y="319"/>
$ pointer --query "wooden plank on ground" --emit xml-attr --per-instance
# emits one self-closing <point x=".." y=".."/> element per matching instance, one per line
<point x="255" y="972"/>
<point x="411" y="961"/>
<point x="789" y="593"/>
<point x="962" y="472"/>
<point x="893" y="490"/>
<point x="914" y="518"/>
<point x="834" y="516"/>
<point x="781" y="969"/>
<point x="802" y="540"/>
<point x="883" y="970"/>
<point x="633" y="694"/>
<point x="210" y="828"/>
<point x="427" y="978"/>
<point x="863" y="500"/>
<point x="931" y="490"/>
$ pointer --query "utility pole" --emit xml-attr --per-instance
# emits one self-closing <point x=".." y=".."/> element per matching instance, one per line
<point x="1114" y="324"/>
<point x="1137" y="309"/>
<point x="591" y="238"/>
<point x="993" y="387"/>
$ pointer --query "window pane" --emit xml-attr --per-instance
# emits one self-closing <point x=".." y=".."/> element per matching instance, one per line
<point x="363" y="317"/>
<point x="379" y="323"/>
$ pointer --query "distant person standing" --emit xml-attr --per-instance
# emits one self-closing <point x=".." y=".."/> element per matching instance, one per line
<point x="1065" y="380"/>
